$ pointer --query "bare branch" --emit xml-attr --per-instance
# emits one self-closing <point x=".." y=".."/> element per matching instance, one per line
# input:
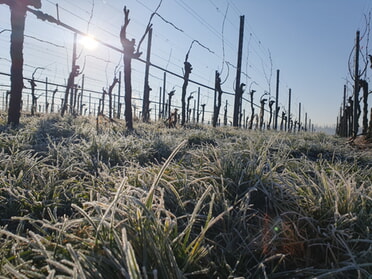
<point x="95" y="57"/>
<point x="243" y="73"/>
<point x="91" y="16"/>
<point x="170" y="23"/>
<point x="366" y="33"/>
<point x="154" y="13"/>
<point x="44" y="16"/>
<point x="123" y="31"/>
<point x="114" y="82"/>
<point x="365" y="65"/>
<point x="118" y="65"/>
<point x="228" y="72"/>
<point x="223" y="39"/>
<point x="143" y="37"/>
<point x="349" y="64"/>
<point x="248" y="46"/>
<point x="149" y="25"/>
<point x="42" y="41"/>
<point x="10" y="61"/>
<point x="368" y="27"/>
<point x="169" y="58"/>
<point x="5" y="30"/>
<point x="37" y="68"/>
<point x="196" y="41"/>
<point x="268" y="78"/>
<point x="34" y="38"/>
<point x="263" y="95"/>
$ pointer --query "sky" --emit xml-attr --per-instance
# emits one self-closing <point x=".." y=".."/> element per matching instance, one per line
<point x="309" y="42"/>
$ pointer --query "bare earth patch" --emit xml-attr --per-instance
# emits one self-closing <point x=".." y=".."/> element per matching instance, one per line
<point x="361" y="142"/>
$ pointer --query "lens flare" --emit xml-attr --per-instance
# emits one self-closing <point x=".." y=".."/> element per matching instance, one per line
<point x="89" y="42"/>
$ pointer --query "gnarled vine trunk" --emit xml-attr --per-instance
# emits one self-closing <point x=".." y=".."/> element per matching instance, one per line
<point x="17" y="18"/>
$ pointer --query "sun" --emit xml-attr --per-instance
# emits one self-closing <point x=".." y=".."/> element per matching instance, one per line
<point x="88" y="42"/>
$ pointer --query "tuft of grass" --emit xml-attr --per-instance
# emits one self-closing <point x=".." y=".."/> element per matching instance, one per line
<point x="181" y="203"/>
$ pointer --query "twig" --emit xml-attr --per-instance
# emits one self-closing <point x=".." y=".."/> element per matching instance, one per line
<point x="268" y="79"/>
<point x="91" y="16"/>
<point x="196" y="41"/>
<point x="349" y="63"/>
<point x="5" y="30"/>
<point x="228" y="72"/>
<point x="96" y="57"/>
<point x="170" y="23"/>
<point x="149" y="25"/>
<point x="169" y="58"/>
<point x="37" y="68"/>
<point x="223" y="39"/>
<point x="248" y="44"/>
<point x="118" y="65"/>
<point x="32" y="37"/>
<point x="243" y="73"/>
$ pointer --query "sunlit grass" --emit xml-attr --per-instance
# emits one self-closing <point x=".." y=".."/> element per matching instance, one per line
<point x="181" y="203"/>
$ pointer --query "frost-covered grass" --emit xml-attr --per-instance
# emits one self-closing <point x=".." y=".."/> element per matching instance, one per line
<point x="180" y="203"/>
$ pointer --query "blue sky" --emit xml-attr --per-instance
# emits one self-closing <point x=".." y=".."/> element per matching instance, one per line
<point x="309" y="41"/>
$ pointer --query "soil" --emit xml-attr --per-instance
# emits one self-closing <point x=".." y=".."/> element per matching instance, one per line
<point x="361" y="142"/>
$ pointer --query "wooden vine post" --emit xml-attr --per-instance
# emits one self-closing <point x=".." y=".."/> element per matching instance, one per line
<point x="53" y="95"/>
<point x="283" y="124"/>
<point x="262" y="110"/>
<point x="356" y="106"/>
<point x="17" y="18"/>
<point x="252" y="110"/>
<point x="289" y="117"/>
<point x="241" y="91"/>
<point x="203" y="111"/>
<point x="225" y="114"/>
<point x="364" y="85"/>
<point x="111" y="88"/>
<point x="147" y="88"/>
<point x="217" y="103"/>
<point x="369" y="129"/>
<point x="276" y="101"/>
<point x="238" y="87"/>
